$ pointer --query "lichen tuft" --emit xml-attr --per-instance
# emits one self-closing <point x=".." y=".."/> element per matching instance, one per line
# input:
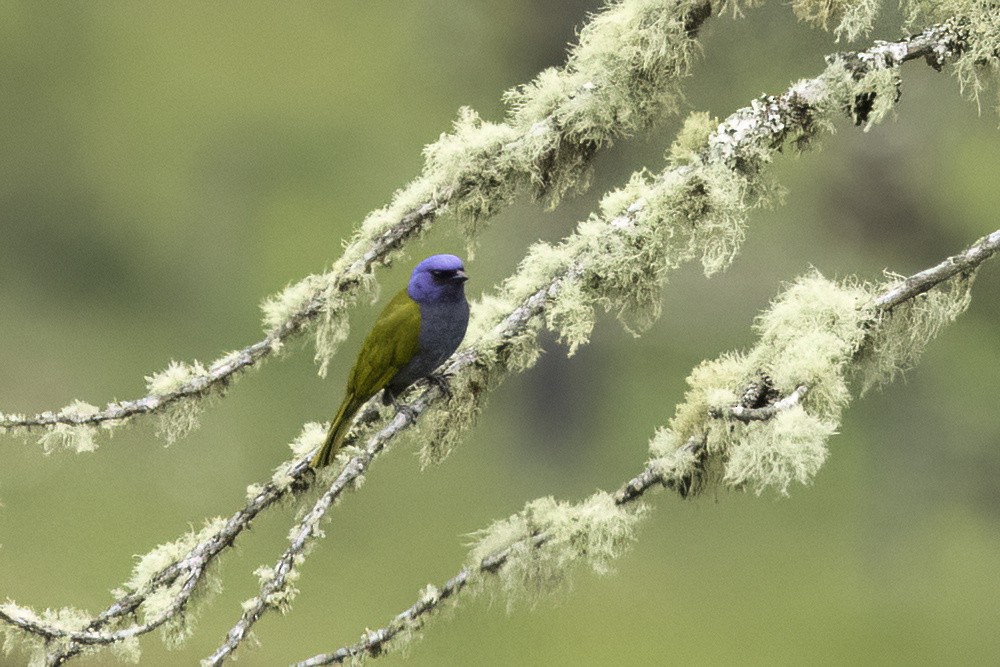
<point x="808" y="338"/>
<point x="791" y="447"/>
<point x="854" y="18"/>
<point x="898" y="337"/>
<point x="78" y="437"/>
<point x="545" y="539"/>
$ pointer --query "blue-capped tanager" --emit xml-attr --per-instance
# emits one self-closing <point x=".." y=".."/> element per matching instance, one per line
<point x="416" y="332"/>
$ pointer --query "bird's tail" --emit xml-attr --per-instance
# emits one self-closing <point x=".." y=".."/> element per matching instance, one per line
<point x="335" y="435"/>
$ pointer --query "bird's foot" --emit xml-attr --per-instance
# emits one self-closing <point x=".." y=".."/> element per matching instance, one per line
<point x="440" y="380"/>
<point x="304" y="481"/>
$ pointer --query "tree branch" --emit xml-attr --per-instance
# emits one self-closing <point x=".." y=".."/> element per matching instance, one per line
<point x="963" y="262"/>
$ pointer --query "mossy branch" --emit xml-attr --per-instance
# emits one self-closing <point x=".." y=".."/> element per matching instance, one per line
<point x="523" y="544"/>
<point x="622" y="76"/>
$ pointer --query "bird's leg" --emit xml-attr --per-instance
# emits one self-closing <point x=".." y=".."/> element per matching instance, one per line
<point x="440" y="380"/>
<point x="389" y="398"/>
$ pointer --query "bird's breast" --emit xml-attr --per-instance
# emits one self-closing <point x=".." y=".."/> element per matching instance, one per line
<point x="442" y="327"/>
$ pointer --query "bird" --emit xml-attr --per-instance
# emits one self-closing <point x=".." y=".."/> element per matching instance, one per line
<point x="416" y="332"/>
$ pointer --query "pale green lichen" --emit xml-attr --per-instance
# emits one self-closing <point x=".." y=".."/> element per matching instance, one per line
<point x="294" y="301"/>
<point x="282" y="596"/>
<point x="976" y="66"/>
<point x="621" y="76"/>
<point x="173" y="378"/>
<point x="127" y="650"/>
<point x="402" y="630"/>
<point x="869" y="96"/>
<point x="673" y="461"/>
<point x="180" y="417"/>
<point x="625" y="269"/>
<point x="858" y="19"/>
<point x="854" y="18"/>
<point x="594" y="532"/>
<point x="9" y="419"/>
<point x="645" y="230"/>
<point x="164" y="555"/>
<point x="180" y="625"/>
<point x="899" y="336"/>
<point x="817" y="335"/>
<point x="319" y="292"/>
<point x="282" y="477"/>
<point x="476" y="147"/>
<point x="572" y="315"/>
<point x="74" y="437"/>
<point x="231" y="358"/>
<point x="176" y="376"/>
<point x="664" y="443"/>
<point x="254" y="490"/>
<point x="13" y="640"/>
<point x="883" y="87"/>
<point x="429" y="595"/>
<point x="310" y="438"/>
<point x="332" y="328"/>
<point x="68" y="436"/>
<point x="791" y="447"/>
<point x="161" y="600"/>
<point x="687" y="147"/>
<point x="808" y="338"/>
<point x="716" y="200"/>
<point x="691" y="417"/>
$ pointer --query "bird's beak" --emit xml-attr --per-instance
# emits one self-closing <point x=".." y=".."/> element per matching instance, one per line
<point x="461" y="276"/>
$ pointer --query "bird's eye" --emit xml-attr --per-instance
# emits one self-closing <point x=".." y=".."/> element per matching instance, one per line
<point x="438" y="273"/>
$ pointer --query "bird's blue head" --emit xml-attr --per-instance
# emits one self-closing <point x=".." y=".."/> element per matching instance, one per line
<point x="438" y="279"/>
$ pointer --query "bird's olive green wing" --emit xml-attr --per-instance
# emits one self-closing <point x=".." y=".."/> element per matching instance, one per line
<point x="392" y="343"/>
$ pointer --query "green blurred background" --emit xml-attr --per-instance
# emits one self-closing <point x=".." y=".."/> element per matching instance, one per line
<point x="166" y="167"/>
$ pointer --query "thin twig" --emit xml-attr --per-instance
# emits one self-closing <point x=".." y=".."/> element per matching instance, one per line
<point x="763" y="413"/>
<point x="963" y="262"/>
